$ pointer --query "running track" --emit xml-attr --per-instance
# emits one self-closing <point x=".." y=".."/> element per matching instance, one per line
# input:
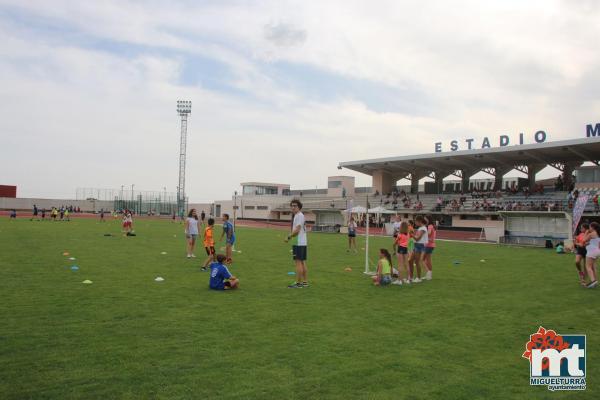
<point x="282" y="225"/>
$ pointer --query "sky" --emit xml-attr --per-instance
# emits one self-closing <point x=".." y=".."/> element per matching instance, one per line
<point x="282" y="91"/>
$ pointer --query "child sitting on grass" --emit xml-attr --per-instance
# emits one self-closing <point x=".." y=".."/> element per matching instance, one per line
<point x="220" y="277"/>
<point x="384" y="269"/>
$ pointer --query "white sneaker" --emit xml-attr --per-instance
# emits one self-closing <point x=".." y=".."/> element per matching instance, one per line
<point x="428" y="276"/>
<point x="189" y="256"/>
<point x="397" y="282"/>
<point x="407" y="282"/>
<point x="193" y="256"/>
<point x="417" y="280"/>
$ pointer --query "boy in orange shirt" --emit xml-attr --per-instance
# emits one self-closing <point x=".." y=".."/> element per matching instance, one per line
<point x="209" y="243"/>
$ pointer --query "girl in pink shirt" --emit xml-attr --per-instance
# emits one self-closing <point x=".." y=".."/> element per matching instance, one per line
<point x="402" y="253"/>
<point x="429" y="247"/>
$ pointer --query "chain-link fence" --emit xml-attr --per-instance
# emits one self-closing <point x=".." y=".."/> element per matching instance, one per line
<point x="141" y="202"/>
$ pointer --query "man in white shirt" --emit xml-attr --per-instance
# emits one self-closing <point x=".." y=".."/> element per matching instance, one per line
<point x="300" y="244"/>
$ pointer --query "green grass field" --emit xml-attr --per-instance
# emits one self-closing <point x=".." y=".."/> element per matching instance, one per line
<point x="126" y="336"/>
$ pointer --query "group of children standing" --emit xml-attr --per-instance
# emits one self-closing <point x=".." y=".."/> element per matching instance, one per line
<point x="587" y="251"/>
<point x="64" y="213"/>
<point x="414" y="243"/>
<point x="220" y="277"/>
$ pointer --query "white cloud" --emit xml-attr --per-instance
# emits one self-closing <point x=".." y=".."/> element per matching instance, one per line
<point x="78" y="113"/>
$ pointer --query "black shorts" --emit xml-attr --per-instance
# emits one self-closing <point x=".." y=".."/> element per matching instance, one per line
<point x="299" y="253"/>
<point x="351" y="234"/>
<point x="581" y="251"/>
<point x="210" y="250"/>
<point x="402" y="250"/>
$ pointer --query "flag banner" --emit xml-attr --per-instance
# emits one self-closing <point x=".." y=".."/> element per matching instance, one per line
<point x="578" y="210"/>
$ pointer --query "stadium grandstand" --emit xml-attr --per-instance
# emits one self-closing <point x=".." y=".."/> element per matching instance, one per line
<point x="499" y="208"/>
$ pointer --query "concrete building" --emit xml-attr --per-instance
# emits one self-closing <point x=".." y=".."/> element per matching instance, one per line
<point x="340" y="186"/>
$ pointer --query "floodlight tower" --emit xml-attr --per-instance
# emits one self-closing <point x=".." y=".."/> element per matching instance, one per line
<point x="184" y="108"/>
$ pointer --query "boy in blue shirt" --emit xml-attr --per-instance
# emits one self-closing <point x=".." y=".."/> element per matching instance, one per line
<point x="230" y="237"/>
<point x="220" y="277"/>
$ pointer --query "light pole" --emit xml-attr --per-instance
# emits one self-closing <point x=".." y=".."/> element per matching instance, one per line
<point x="184" y="108"/>
<point x="132" y="205"/>
<point x="122" y="199"/>
<point x="164" y="198"/>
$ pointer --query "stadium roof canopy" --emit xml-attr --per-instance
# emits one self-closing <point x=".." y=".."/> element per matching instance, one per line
<point x="557" y="154"/>
<point x="263" y="184"/>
